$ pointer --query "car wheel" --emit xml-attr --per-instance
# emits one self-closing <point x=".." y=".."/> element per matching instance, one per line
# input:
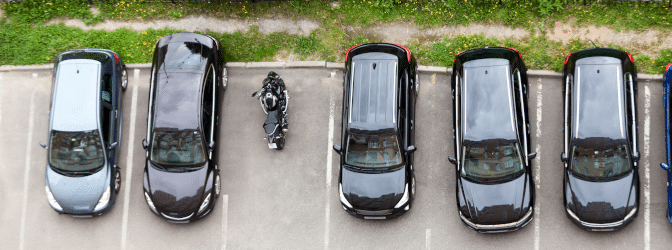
<point x="117" y="181"/>
<point x="413" y="186"/>
<point x="218" y="185"/>
<point x="225" y="78"/>
<point x="417" y="84"/>
<point x="124" y="78"/>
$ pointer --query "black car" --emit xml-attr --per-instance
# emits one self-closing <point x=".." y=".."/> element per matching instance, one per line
<point x="495" y="190"/>
<point x="82" y="177"/>
<point x="601" y="180"/>
<point x="181" y="179"/>
<point x="380" y="86"/>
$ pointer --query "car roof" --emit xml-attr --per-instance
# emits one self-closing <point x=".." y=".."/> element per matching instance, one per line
<point x="177" y="99"/>
<point x="487" y="110"/>
<point x="373" y="99"/>
<point x="76" y="95"/>
<point x="599" y="106"/>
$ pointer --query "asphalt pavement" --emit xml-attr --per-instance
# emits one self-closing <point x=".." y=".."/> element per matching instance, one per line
<point x="289" y="199"/>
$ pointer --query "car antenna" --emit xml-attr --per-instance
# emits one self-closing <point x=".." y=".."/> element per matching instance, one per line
<point x="591" y="41"/>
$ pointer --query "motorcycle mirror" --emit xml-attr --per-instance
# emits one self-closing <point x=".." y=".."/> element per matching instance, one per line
<point x="452" y="160"/>
<point x="44" y="146"/>
<point x="665" y="166"/>
<point x="255" y="93"/>
<point x="337" y="148"/>
<point x="145" y="145"/>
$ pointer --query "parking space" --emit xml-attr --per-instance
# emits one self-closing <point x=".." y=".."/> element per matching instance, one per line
<point x="289" y="199"/>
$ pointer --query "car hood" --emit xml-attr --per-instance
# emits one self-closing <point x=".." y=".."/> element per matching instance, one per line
<point x="495" y="203"/>
<point x="599" y="202"/>
<point x="176" y="194"/>
<point x="373" y="191"/>
<point x="80" y="194"/>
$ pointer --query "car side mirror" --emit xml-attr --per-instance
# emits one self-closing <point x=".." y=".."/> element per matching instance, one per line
<point x="145" y="145"/>
<point x="337" y="149"/>
<point x="532" y="155"/>
<point x="452" y="160"/>
<point x="411" y="149"/>
<point x="113" y="145"/>
<point x="635" y="156"/>
<point x="211" y="146"/>
<point x="665" y="166"/>
<point x="44" y="146"/>
<point x="563" y="157"/>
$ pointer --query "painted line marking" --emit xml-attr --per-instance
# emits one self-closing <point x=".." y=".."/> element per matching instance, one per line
<point x="225" y="220"/>
<point x="26" y="174"/>
<point x="428" y="237"/>
<point x="129" y="167"/>
<point x="330" y="145"/>
<point x="647" y="185"/>
<point x="136" y="73"/>
<point x="537" y="170"/>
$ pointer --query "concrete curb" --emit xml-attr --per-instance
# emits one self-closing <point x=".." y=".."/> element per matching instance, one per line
<point x="308" y="64"/>
<point x="256" y="65"/>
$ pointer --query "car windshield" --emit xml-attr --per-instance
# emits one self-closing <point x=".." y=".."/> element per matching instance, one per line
<point x="373" y="151"/>
<point x="76" y="151"/>
<point x="491" y="162"/>
<point x="187" y="55"/>
<point x="603" y="164"/>
<point x="177" y="148"/>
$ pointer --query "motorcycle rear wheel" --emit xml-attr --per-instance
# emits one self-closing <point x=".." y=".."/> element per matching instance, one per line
<point x="281" y="144"/>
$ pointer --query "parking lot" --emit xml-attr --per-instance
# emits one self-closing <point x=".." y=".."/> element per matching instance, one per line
<point x="289" y="199"/>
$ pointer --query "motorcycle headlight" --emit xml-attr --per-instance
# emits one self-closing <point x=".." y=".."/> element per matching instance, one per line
<point x="150" y="203"/>
<point x="104" y="199"/>
<point x="404" y="198"/>
<point x="343" y="199"/>
<point x="205" y="204"/>
<point x="52" y="200"/>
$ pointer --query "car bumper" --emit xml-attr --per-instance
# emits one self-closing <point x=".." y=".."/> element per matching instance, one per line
<point x="601" y="227"/>
<point x="185" y="219"/>
<point x="379" y="214"/>
<point x="500" y="228"/>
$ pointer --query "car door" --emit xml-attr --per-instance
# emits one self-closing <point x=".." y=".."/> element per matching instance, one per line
<point x="107" y="116"/>
<point x="208" y="108"/>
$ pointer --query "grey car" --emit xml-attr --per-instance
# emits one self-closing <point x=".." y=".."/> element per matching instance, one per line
<point x="82" y="174"/>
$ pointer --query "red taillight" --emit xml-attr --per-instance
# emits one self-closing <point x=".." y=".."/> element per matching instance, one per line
<point x="567" y="58"/>
<point x="408" y="52"/>
<point x="519" y="54"/>
<point x="632" y="60"/>
<point x="116" y="58"/>
<point x="348" y="51"/>
<point x="458" y="54"/>
<point x="667" y="67"/>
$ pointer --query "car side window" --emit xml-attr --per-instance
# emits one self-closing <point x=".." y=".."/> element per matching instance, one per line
<point x="518" y="102"/>
<point x="106" y="96"/>
<point x="627" y="79"/>
<point x="208" y="96"/>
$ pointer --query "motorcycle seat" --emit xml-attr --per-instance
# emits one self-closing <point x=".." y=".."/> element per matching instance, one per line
<point x="272" y="120"/>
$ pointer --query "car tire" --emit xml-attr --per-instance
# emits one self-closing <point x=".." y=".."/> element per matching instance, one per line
<point x="225" y="78"/>
<point x="124" y="78"/>
<point x="218" y="185"/>
<point x="117" y="181"/>
<point x="413" y="186"/>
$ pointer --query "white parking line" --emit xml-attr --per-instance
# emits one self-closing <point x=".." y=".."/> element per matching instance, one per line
<point x="537" y="170"/>
<point x="225" y="220"/>
<point x="330" y="145"/>
<point x="647" y="179"/>
<point x="29" y="143"/>
<point x="136" y="73"/>
<point x="129" y="167"/>
<point x="428" y="237"/>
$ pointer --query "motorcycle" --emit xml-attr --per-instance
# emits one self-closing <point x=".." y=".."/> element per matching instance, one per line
<point x="274" y="99"/>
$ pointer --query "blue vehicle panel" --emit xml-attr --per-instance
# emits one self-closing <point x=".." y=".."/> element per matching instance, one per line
<point x="667" y="81"/>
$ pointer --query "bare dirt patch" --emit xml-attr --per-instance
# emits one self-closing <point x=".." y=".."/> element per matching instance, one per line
<point x="646" y="42"/>
<point x="199" y="23"/>
<point x="94" y="10"/>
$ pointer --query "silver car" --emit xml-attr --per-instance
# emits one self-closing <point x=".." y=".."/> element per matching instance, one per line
<point x="82" y="174"/>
